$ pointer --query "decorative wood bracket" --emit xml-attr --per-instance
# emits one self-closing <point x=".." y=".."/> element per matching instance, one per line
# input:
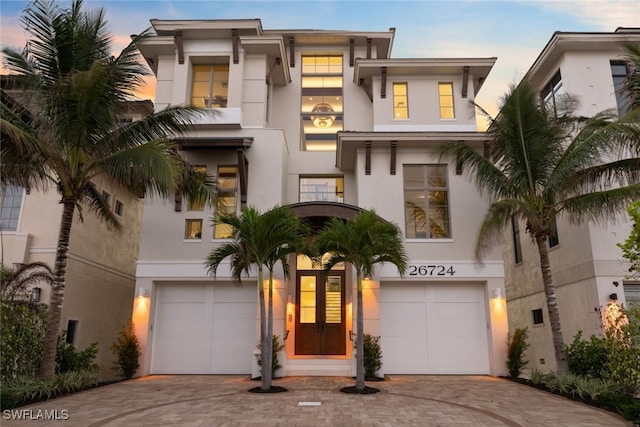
<point x="177" y="41"/>
<point x="292" y="51"/>
<point x="243" y="171"/>
<point x="383" y="84"/>
<point x="235" y="41"/>
<point x="368" y="48"/>
<point x="465" y="80"/>
<point x="352" y="43"/>
<point x="366" y="88"/>
<point x="367" y="158"/>
<point x="394" y="148"/>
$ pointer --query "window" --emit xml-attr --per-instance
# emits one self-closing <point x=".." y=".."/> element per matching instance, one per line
<point x="426" y="197"/>
<point x="321" y="106"/>
<point x="72" y="331"/>
<point x="227" y="199"/>
<point x="553" y="237"/>
<point x="552" y="94"/>
<point x="193" y="229"/>
<point x="107" y="197"/>
<point x="197" y="205"/>
<point x="619" y="74"/>
<point x="322" y="189"/>
<point x="10" y="203"/>
<point x="118" y="208"/>
<point x="400" y="101"/>
<point x="537" y="316"/>
<point x="210" y="85"/>
<point x="445" y="93"/>
<point x="517" y="248"/>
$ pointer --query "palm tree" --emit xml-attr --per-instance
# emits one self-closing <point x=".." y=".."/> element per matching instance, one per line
<point x="260" y="240"/>
<point x="542" y="167"/>
<point x="74" y="91"/>
<point x="632" y="82"/>
<point x="15" y="282"/>
<point x="362" y="242"/>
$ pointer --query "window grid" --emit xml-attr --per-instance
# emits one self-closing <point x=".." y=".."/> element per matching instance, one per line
<point x="619" y="72"/>
<point x="10" y="204"/>
<point x="445" y="94"/>
<point x="322" y="189"/>
<point x="400" y="101"/>
<point x="426" y="196"/>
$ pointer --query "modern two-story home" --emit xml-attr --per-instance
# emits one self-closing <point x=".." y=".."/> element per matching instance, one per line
<point x="587" y="266"/>
<point x="328" y="123"/>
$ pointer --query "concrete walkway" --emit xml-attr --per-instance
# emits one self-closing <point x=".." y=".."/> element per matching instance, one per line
<point x="219" y="400"/>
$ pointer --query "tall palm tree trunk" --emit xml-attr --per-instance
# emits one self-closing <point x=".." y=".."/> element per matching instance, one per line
<point x="263" y="329"/>
<point x="359" y="336"/>
<point x="268" y="360"/>
<point x="552" y="306"/>
<point x="48" y="366"/>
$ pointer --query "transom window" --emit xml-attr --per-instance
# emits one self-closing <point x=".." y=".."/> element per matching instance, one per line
<point x="321" y="105"/>
<point x="426" y="197"/>
<point x="210" y="85"/>
<point x="10" y="203"/>
<point x="400" y="101"/>
<point x="227" y="199"/>
<point x="445" y="94"/>
<point x="322" y="189"/>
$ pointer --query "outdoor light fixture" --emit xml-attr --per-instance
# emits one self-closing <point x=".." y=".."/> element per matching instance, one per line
<point x="325" y="119"/>
<point x="613" y="297"/>
<point x="497" y="293"/>
<point x="142" y="292"/>
<point x="35" y="294"/>
<point x="352" y="336"/>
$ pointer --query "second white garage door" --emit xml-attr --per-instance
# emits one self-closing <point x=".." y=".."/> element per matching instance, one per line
<point x="433" y="328"/>
<point x="204" y="329"/>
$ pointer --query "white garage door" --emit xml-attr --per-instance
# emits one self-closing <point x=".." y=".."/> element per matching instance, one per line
<point x="204" y="329"/>
<point x="433" y="328"/>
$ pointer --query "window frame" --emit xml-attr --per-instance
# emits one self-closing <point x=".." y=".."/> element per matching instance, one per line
<point x="398" y="98"/>
<point x="554" y="239"/>
<point x="12" y="192"/>
<point x="537" y="316"/>
<point x="446" y="96"/>
<point x="426" y="209"/>
<point x="211" y="97"/>
<point x="188" y="229"/>
<point x="622" y="98"/>
<point x="217" y="234"/>
<point x="337" y="186"/>
<point x="118" y="203"/>
<point x="552" y="91"/>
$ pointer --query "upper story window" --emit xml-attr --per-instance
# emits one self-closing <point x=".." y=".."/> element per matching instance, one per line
<point x="321" y="106"/>
<point x="322" y="189"/>
<point x="195" y="205"/>
<point x="227" y="199"/>
<point x="552" y="94"/>
<point x="553" y="237"/>
<point x="426" y="199"/>
<point x="10" y="203"/>
<point x="210" y="85"/>
<point x="619" y="72"/>
<point x="517" y="247"/>
<point x="445" y="93"/>
<point x="400" y="101"/>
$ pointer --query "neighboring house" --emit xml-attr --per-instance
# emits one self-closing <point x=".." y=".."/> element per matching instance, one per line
<point x="100" y="274"/>
<point x="586" y="264"/>
<point x="328" y="123"/>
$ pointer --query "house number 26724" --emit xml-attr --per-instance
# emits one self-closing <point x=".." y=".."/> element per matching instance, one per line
<point x="431" y="270"/>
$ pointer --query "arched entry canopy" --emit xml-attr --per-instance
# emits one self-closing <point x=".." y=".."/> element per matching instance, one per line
<point x="317" y="213"/>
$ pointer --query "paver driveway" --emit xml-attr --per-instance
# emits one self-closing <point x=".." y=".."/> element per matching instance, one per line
<point x="199" y="400"/>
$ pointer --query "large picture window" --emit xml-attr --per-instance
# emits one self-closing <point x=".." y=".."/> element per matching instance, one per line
<point x="227" y="199"/>
<point x="426" y="198"/>
<point x="619" y="73"/>
<point x="552" y="94"/>
<point x="445" y="95"/>
<point x="210" y="85"/>
<point x="321" y="106"/>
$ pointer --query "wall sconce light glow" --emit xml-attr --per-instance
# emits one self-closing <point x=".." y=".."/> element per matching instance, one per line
<point x="497" y="293"/>
<point x="142" y="293"/>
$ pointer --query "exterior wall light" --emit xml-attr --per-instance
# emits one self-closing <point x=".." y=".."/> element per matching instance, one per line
<point x="142" y="293"/>
<point x="613" y="297"/>
<point x="35" y="294"/>
<point x="497" y="293"/>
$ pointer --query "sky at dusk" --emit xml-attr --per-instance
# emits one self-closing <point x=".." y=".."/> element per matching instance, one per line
<point x="514" y="31"/>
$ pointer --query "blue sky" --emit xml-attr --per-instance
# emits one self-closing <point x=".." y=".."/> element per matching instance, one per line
<point x="514" y="31"/>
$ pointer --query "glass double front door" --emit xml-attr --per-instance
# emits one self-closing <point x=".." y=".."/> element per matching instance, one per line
<point x="320" y="313"/>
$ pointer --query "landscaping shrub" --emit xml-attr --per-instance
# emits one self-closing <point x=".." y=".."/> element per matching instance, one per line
<point x="587" y="358"/>
<point x="69" y="359"/>
<point x="275" y="363"/>
<point x="515" y="354"/>
<point x="372" y="356"/>
<point x="22" y="339"/>
<point x="127" y="351"/>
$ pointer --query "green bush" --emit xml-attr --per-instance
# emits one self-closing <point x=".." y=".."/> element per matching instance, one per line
<point x="515" y="354"/>
<point x="372" y="356"/>
<point x="587" y="358"/>
<point x="69" y="359"/>
<point x="624" y="404"/>
<point x="276" y="347"/>
<point x="127" y="351"/>
<point x="22" y="339"/>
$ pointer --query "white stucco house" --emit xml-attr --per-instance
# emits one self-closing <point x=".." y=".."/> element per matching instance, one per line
<point x="326" y="122"/>
<point x="586" y="264"/>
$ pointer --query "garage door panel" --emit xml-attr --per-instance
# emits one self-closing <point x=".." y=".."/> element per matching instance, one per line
<point x="204" y="329"/>
<point x="443" y="332"/>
